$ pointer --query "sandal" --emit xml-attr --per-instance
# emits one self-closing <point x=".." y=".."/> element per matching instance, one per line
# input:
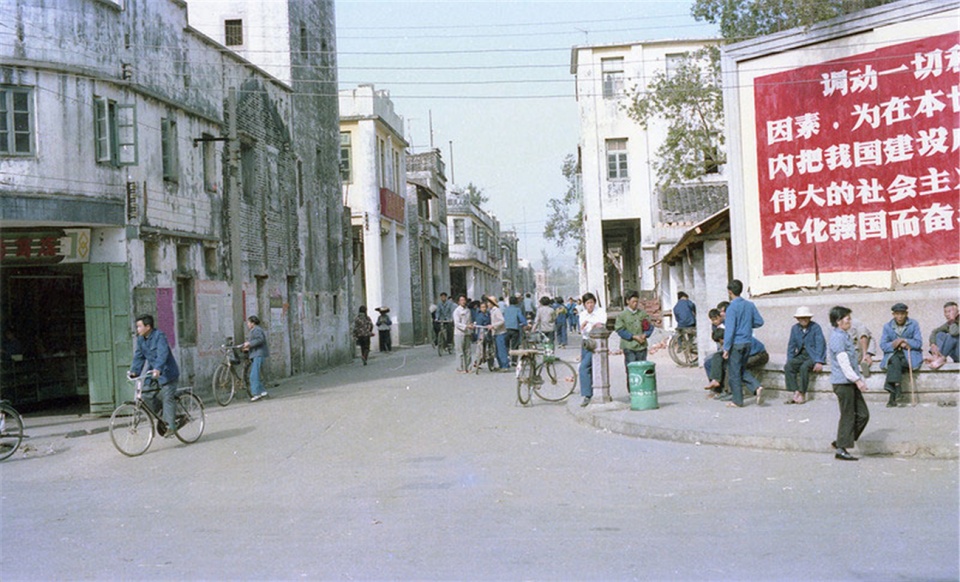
<point x="734" y="405"/>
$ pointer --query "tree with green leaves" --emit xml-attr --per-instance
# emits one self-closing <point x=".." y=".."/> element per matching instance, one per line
<point x="565" y="220"/>
<point x="476" y="195"/>
<point x="690" y="98"/>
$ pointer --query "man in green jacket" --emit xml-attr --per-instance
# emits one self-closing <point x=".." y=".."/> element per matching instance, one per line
<point x="634" y="327"/>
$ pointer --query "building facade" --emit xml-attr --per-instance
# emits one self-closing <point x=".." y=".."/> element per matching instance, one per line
<point x="474" y="239"/>
<point x="152" y="178"/>
<point x="509" y="266"/>
<point x="627" y="219"/>
<point x="373" y="173"/>
<point x="429" y="249"/>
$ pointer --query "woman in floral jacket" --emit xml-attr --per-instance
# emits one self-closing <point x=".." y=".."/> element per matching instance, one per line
<point x="362" y="332"/>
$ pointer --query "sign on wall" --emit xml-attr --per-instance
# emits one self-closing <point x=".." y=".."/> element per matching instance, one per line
<point x="37" y="247"/>
<point x="858" y="162"/>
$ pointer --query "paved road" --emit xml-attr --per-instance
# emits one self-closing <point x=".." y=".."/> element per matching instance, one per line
<point x="404" y="469"/>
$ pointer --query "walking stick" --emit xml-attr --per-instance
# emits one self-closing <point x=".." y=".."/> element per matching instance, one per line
<point x="913" y="385"/>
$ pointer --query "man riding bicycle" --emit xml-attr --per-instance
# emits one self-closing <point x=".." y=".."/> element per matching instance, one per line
<point x="154" y="351"/>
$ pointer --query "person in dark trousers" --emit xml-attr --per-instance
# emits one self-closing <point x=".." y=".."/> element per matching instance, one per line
<point x="944" y="339"/>
<point x="362" y="332"/>
<point x="901" y="343"/>
<point x="515" y="322"/>
<point x="741" y="319"/>
<point x="259" y="351"/>
<point x="154" y="351"/>
<point x="384" y="325"/>
<point x="806" y="352"/>
<point x="848" y="384"/>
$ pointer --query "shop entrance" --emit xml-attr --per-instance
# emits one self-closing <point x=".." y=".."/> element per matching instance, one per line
<point x="44" y="360"/>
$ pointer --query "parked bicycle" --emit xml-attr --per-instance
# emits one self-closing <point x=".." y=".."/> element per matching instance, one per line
<point x="11" y="430"/>
<point x="134" y="423"/>
<point x="484" y="350"/>
<point x="445" y="337"/>
<point x="543" y="373"/>
<point x="682" y="347"/>
<point x="231" y="375"/>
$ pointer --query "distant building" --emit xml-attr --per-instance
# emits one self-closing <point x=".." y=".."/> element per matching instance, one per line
<point x="374" y="177"/>
<point x="474" y="239"/>
<point x="629" y="223"/>
<point x="509" y="267"/>
<point x="429" y="249"/>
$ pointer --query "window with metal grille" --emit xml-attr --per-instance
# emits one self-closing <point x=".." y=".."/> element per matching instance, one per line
<point x="233" y="32"/>
<point x="612" y="70"/>
<point x="345" y="157"/>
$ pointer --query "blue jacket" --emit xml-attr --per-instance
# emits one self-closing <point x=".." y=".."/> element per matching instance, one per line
<point x="685" y="312"/>
<point x="812" y="342"/>
<point x="155" y="352"/>
<point x="911" y="333"/>
<point x="513" y="317"/>
<point x="742" y="318"/>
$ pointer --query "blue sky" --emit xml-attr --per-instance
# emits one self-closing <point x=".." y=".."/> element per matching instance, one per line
<point x="496" y="78"/>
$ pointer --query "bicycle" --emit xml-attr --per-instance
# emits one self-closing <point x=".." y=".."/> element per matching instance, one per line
<point x="133" y="423"/>
<point x="561" y="377"/>
<point x="226" y="379"/>
<point x="11" y="430"/>
<point x="484" y="350"/>
<point x="444" y="341"/>
<point x="682" y="347"/>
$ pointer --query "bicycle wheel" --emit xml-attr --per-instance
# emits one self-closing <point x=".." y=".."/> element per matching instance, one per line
<point x="525" y="371"/>
<point x="559" y="381"/>
<point x="491" y="356"/>
<point x="190" y="418"/>
<point x="131" y="429"/>
<point x="224" y="385"/>
<point x="441" y="339"/>
<point x="11" y="431"/>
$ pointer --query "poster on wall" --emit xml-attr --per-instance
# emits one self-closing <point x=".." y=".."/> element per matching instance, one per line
<point x="858" y="164"/>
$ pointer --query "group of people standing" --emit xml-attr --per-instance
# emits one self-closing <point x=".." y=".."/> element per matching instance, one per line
<point x="849" y="350"/>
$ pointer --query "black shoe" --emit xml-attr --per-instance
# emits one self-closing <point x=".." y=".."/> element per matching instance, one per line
<point x="843" y="455"/>
<point x="833" y="445"/>
<point x="585" y="403"/>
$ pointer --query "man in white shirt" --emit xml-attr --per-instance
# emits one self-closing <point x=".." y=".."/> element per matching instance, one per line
<point x="462" y="327"/>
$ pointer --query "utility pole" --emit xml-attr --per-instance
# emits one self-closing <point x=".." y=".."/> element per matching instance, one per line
<point x="452" y="179"/>
<point x="233" y="195"/>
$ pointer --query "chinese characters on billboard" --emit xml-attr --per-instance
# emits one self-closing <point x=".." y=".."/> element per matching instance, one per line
<point x="858" y="161"/>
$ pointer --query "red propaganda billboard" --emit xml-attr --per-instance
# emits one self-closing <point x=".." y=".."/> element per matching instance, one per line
<point x="858" y="161"/>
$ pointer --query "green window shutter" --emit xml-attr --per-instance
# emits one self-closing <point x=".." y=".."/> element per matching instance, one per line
<point x="101" y="129"/>
<point x="127" y="135"/>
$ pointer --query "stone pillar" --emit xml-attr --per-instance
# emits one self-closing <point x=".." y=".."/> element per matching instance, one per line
<point x="601" y="365"/>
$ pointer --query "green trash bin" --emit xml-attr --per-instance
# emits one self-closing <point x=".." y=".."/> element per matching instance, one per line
<point x="642" y="381"/>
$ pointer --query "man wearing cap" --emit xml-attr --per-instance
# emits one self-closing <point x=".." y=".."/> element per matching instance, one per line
<point x="384" y="326"/>
<point x="901" y="343"/>
<point x="806" y="351"/>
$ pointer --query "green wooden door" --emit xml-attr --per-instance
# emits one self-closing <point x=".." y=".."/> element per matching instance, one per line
<point x="106" y="300"/>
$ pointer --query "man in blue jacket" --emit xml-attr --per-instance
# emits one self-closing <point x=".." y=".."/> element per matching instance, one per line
<point x="514" y="321"/>
<point x="741" y="319"/>
<point x="806" y="351"/>
<point x="900" y="338"/>
<point x="154" y="351"/>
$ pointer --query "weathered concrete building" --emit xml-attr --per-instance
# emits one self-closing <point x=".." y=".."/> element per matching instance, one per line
<point x="125" y="131"/>
<point x="843" y="142"/>
<point x="474" y="248"/>
<point x="509" y="267"/>
<point x="427" y="224"/>
<point x="373" y="172"/>
<point x="629" y="222"/>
